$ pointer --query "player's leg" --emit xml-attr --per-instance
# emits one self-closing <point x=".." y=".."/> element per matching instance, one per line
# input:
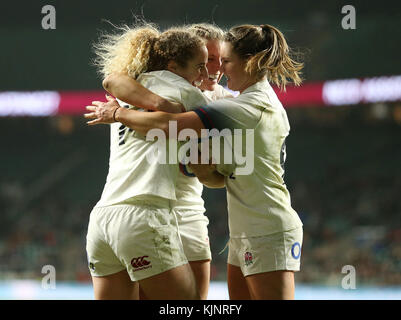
<point x="116" y="286"/>
<point x="193" y="230"/>
<point x="237" y="285"/>
<point x="201" y="271"/>
<point x="269" y="264"/>
<point x="142" y="295"/>
<point x="149" y="245"/>
<point x="109" y="276"/>
<point x="275" y="285"/>
<point x="175" y="284"/>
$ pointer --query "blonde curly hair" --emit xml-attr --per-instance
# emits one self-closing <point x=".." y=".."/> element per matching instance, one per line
<point x="139" y="49"/>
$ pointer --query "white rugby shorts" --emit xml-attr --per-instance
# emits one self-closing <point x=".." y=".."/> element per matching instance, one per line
<point x="139" y="237"/>
<point x="278" y="251"/>
<point x="192" y="226"/>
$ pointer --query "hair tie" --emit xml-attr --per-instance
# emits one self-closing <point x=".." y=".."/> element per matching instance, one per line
<point x="264" y="27"/>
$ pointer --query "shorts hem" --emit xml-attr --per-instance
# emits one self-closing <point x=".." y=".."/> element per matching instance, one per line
<point x="199" y="258"/>
<point x="104" y="274"/>
<point x="155" y="273"/>
<point x="250" y="273"/>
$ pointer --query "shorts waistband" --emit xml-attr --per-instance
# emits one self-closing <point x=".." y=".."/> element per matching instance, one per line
<point x="148" y="200"/>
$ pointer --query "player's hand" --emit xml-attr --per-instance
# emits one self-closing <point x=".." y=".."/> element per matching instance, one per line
<point x="102" y="112"/>
<point x="202" y="170"/>
<point x="208" y="175"/>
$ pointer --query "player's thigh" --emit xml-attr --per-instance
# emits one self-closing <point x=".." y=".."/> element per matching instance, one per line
<point x="274" y="285"/>
<point x="102" y="259"/>
<point x="175" y="284"/>
<point x="193" y="229"/>
<point x="116" y="286"/>
<point x="267" y="263"/>
<point x="201" y="271"/>
<point x="237" y="285"/>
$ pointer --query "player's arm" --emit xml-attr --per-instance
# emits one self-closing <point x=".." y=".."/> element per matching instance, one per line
<point x="208" y="175"/>
<point x="142" y="122"/>
<point x="132" y="92"/>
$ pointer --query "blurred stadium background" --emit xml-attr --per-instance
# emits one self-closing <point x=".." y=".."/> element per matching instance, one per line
<point x="343" y="154"/>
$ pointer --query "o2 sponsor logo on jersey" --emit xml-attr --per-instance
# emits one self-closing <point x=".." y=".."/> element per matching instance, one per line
<point x="248" y="258"/>
<point x="140" y="263"/>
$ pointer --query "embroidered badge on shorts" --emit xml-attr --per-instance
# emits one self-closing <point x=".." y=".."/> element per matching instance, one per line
<point x="248" y="258"/>
<point x="92" y="266"/>
<point x="140" y="263"/>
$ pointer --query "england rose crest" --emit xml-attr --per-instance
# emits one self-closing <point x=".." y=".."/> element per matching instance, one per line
<point x="248" y="258"/>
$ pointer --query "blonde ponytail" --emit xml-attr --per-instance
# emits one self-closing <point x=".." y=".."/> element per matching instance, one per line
<point x="127" y="51"/>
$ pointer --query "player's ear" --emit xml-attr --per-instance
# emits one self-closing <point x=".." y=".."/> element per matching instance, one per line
<point x="172" y="66"/>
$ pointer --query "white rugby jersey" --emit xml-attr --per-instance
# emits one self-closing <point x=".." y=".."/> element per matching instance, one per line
<point x="258" y="202"/>
<point x="189" y="189"/>
<point x="130" y="172"/>
<point x="218" y="93"/>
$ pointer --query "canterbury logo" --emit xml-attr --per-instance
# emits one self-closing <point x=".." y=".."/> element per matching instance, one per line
<point x="139" y="262"/>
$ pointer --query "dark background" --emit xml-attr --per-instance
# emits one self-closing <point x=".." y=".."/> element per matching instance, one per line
<point x="33" y="58"/>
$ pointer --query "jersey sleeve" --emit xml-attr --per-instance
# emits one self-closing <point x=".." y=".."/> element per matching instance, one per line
<point x="232" y="113"/>
<point x="226" y="116"/>
<point x="227" y="94"/>
<point x="192" y="98"/>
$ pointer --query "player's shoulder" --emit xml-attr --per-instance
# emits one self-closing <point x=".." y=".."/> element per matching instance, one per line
<point x="193" y="98"/>
<point x="262" y="95"/>
<point x="173" y="87"/>
<point x="160" y="83"/>
<point x="161" y="78"/>
<point x="218" y="93"/>
<point x="168" y="79"/>
<point x="225" y="92"/>
<point x="165" y="76"/>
